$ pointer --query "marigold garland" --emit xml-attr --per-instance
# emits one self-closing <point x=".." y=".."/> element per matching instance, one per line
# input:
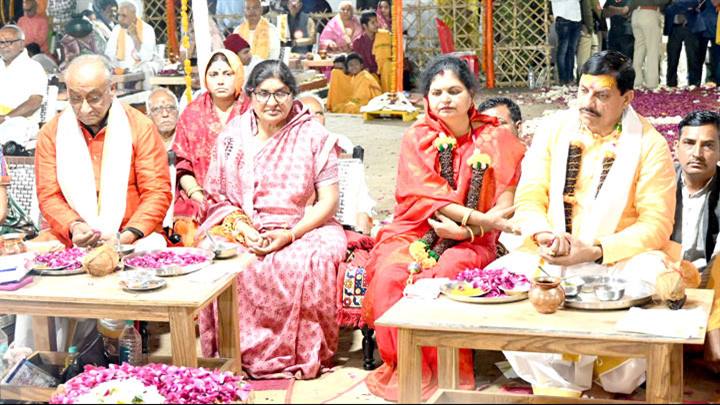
<point x="187" y="65"/>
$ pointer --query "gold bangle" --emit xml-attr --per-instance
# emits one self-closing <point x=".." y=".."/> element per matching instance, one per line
<point x="472" y="234"/>
<point x="466" y="217"/>
<point x="292" y="235"/>
<point x="482" y="231"/>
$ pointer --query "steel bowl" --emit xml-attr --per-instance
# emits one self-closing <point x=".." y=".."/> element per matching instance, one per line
<point x="572" y="286"/>
<point x="609" y="292"/>
<point x="225" y="250"/>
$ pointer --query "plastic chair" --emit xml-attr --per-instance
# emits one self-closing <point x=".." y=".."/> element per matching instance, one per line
<point x="447" y="46"/>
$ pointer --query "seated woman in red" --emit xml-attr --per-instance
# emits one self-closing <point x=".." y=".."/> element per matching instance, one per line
<point x="456" y="181"/>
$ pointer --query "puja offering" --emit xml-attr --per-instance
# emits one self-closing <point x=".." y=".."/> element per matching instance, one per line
<point x="605" y="293"/>
<point x="487" y="286"/>
<point x="546" y="295"/>
<point x="12" y="243"/>
<point x="169" y="262"/>
<point x="153" y="383"/>
<point x="101" y="261"/>
<point x="64" y="262"/>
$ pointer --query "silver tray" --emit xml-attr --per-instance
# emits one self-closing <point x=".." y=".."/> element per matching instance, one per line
<point x="637" y="293"/>
<point x="482" y="300"/>
<point x="58" y="272"/>
<point x="172" y="270"/>
<point x="150" y="285"/>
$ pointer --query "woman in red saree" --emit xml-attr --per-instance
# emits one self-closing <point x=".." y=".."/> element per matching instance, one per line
<point x="197" y="129"/>
<point x="427" y="200"/>
<point x="276" y="168"/>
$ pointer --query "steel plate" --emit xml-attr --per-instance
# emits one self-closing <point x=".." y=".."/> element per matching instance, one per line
<point x="172" y="270"/>
<point x="481" y="300"/>
<point x="637" y="293"/>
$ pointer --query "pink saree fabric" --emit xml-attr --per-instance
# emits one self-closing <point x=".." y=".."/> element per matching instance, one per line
<point x="287" y="298"/>
<point x="334" y="32"/>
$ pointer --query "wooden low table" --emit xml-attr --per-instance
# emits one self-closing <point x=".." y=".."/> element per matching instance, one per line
<point x="83" y="296"/>
<point x="450" y="325"/>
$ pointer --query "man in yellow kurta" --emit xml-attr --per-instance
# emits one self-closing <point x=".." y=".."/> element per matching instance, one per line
<point x="263" y="37"/>
<point x="352" y="90"/>
<point x="613" y="216"/>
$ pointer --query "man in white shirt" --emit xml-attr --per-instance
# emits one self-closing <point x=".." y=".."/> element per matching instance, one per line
<point x="263" y="37"/>
<point x="132" y="42"/>
<point x="23" y="84"/>
<point x="568" y="24"/>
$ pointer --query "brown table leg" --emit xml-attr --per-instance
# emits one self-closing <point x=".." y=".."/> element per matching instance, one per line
<point x="182" y="337"/>
<point x="229" y="333"/>
<point x="43" y="329"/>
<point x="448" y="368"/>
<point x="409" y="368"/>
<point x="665" y="373"/>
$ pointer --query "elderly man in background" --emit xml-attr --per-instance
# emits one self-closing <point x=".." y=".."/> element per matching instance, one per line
<point x="235" y="43"/>
<point x="132" y="43"/>
<point x="34" y="25"/>
<point x="24" y="83"/>
<point x="263" y="37"/>
<point x="162" y="108"/>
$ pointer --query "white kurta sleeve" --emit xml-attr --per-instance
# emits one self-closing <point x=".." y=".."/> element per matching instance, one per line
<point x="147" y="49"/>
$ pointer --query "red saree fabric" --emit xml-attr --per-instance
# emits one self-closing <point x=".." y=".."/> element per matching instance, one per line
<point x="197" y="129"/>
<point x="421" y="192"/>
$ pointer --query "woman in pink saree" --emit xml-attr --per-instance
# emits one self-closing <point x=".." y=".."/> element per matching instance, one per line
<point x="384" y="15"/>
<point x="197" y="129"/>
<point x="340" y="32"/>
<point x="278" y="167"/>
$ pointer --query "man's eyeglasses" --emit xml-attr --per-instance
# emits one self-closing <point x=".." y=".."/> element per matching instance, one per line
<point x="280" y="96"/>
<point x="8" y="43"/>
<point x="170" y="109"/>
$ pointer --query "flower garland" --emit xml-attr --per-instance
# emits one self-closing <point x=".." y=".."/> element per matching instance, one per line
<point x="185" y="22"/>
<point x="425" y="252"/>
<point x="572" y="170"/>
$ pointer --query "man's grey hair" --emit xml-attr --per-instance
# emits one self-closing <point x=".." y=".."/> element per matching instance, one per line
<point x="156" y="90"/>
<point x="128" y="4"/>
<point x="313" y="96"/>
<point x="86" y="59"/>
<point x="13" y="27"/>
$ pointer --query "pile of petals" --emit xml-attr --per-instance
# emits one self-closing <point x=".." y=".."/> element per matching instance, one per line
<point x="493" y="280"/>
<point x="65" y="259"/>
<point x="165" y="258"/>
<point x="178" y="385"/>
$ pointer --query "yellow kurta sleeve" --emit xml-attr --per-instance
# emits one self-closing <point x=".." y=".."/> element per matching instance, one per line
<point x="532" y="194"/>
<point x="647" y="221"/>
<point x="714" y="283"/>
<point x="339" y="90"/>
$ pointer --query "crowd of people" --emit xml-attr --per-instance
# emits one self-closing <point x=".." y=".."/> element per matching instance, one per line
<point x="636" y="29"/>
<point x="249" y="161"/>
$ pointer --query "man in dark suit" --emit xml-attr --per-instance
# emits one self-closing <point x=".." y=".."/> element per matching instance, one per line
<point x="697" y="212"/>
<point x="680" y="17"/>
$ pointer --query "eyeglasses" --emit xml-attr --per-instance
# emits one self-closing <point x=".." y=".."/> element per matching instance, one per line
<point x="170" y="109"/>
<point x="280" y="96"/>
<point x="8" y="43"/>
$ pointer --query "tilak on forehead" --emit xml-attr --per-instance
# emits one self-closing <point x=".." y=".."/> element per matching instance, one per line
<point x="597" y="81"/>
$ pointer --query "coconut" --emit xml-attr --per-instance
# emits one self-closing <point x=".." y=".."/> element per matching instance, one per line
<point x="101" y="261"/>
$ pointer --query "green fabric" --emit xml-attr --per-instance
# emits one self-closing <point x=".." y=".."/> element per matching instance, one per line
<point x="18" y="221"/>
